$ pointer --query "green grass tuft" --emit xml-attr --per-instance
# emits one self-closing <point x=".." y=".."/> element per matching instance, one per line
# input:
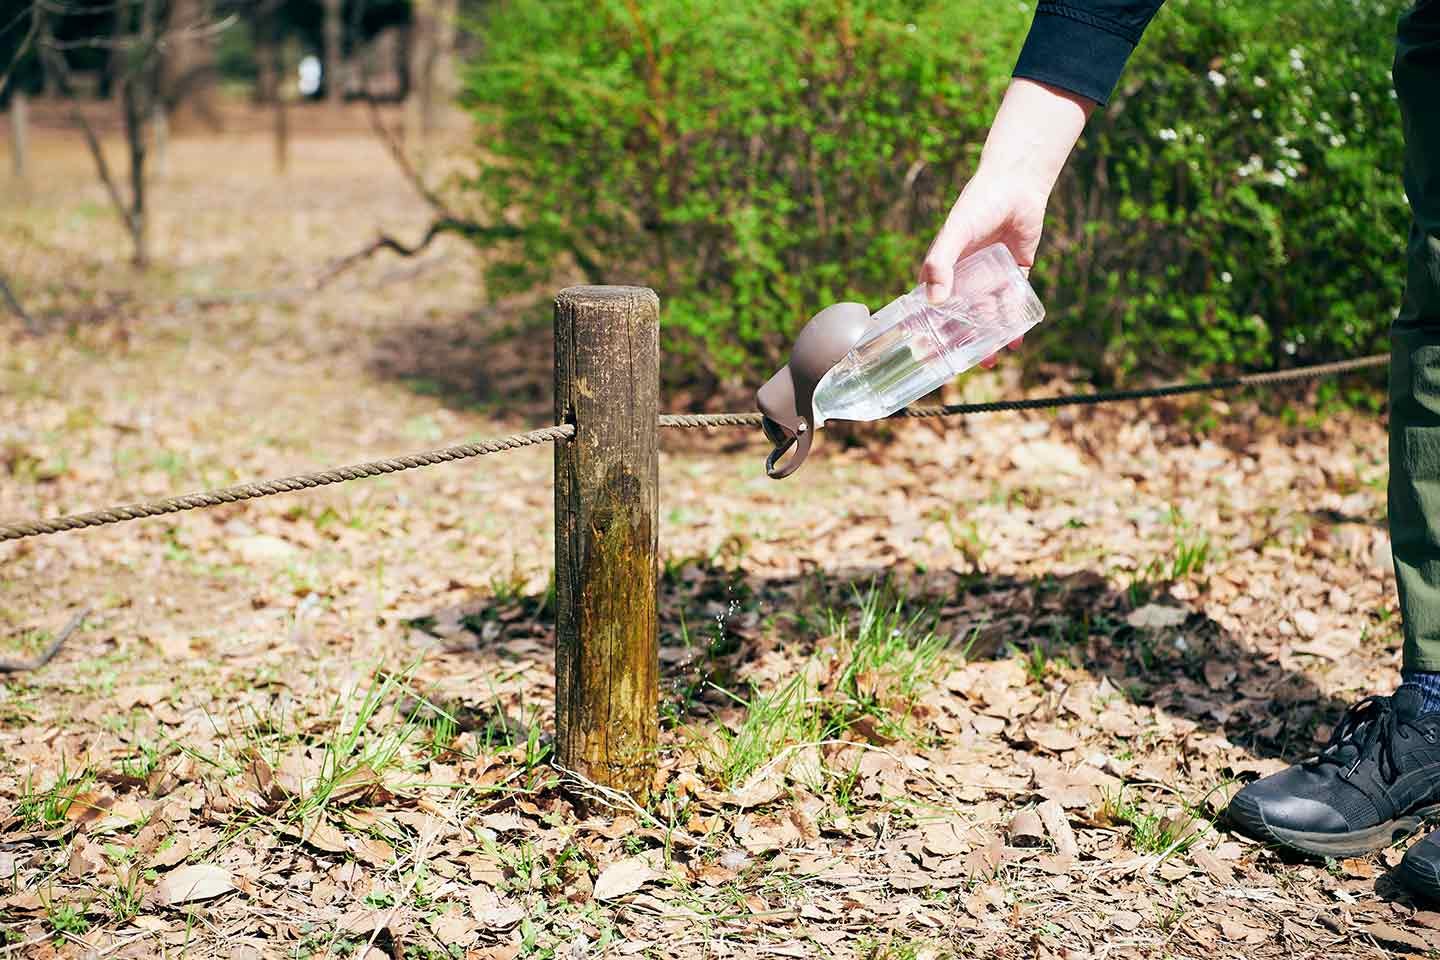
<point x="877" y="662"/>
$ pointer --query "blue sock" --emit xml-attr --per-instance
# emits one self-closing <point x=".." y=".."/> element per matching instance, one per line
<point x="1428" y="682"/>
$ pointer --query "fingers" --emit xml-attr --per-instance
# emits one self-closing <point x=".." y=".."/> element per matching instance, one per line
<point x="994" y="358"/>
<point x="937" y="272"/>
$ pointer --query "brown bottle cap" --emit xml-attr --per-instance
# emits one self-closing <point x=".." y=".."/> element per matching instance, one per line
<point x="786" y="399"/>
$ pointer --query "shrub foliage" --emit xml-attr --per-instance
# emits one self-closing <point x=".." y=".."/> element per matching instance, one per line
<point x="1238" y="203"/>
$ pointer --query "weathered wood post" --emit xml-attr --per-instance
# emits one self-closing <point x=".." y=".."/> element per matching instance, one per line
<point x="19" y="134"/>
<point x="607" y="366"/>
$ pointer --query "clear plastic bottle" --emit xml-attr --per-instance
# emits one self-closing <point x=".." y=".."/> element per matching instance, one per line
<point x="914" y="346"/>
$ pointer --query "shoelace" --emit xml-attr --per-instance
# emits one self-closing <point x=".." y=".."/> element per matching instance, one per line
<point x="1365" y="725"/>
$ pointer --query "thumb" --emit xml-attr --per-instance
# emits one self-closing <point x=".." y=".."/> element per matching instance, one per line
<point x="937" y="273"/>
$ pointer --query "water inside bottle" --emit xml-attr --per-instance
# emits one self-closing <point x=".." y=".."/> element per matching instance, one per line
<point x="884" y="372"/>
<point x="916" y="346"/>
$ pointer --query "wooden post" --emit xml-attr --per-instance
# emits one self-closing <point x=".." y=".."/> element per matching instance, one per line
<point x="607" y="479"/>
<point x="19" y="134"/>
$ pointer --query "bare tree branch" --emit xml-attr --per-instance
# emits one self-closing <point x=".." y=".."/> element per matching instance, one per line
<point x="197" y="32"/>
<point x="446" y="220"/>
<point x="13" y="303"/>
<point x="441" y="225"/>
<point x="61" y="70"/>
<point x="396" y="148"/>
<point x="35" y="18"/>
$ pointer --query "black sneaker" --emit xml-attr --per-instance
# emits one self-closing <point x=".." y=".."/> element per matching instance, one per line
<point x="1419" y="872"/>
<point x="1375" y="782"/>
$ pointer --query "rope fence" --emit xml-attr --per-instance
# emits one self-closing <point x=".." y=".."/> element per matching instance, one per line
<point x="374" y="468"/>
<point x="607" y="515"/>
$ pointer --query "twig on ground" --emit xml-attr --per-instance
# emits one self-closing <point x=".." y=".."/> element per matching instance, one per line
<point x="18" y="665"/>
<point x="419" y="854"/>
<point x="15" y="948"/>
<point x="611" y="798"/>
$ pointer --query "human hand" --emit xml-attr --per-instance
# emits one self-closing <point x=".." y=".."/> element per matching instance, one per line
<point x="993" y="208"/>
<point x="1033" y="133"/>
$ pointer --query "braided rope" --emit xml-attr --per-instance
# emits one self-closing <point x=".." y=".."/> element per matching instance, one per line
<point x="267" y="488"/>
<point x="700" y="420"/>
<point x="1272" y="378"/>
<point x="375" y="468"/>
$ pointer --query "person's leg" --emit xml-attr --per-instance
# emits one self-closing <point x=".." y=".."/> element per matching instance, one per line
<point x="1415" y="393"/>
<point x="1415" y="356"/>
<point x="1379" y="778"/>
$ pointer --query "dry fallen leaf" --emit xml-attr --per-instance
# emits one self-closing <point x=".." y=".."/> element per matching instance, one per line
<point x="624" y="877"/>
<point x="756" y="791"/>
<point x="1026" y="829"/>
<point x="1154" y="616"/>
<point x="197" y="882"/>
<point x="944" y="838"/>
<point x="454" y="929"/>
<point x="1057" y="824"/>
<point x="1394" y="936"/>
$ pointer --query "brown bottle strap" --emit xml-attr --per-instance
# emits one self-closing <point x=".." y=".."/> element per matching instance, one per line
<point x="802" y="450"/>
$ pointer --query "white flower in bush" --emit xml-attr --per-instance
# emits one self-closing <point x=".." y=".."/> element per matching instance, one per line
<point x="1250" y="167"/>
<point x="1217" y="78"/>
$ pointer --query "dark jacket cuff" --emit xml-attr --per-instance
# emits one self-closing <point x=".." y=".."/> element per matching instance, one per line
<point x="1084" y="58"/>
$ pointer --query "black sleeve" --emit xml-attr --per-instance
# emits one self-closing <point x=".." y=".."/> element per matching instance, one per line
<point x="1082" y="45"/>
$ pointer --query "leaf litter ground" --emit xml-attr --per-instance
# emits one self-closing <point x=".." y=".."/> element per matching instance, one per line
<point x="965" y="689"/>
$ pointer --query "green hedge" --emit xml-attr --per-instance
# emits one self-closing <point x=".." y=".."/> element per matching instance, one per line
<point x="1238" y="203"/>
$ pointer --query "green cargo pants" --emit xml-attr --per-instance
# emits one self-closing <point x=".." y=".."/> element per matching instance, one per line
<point x="1415" y="346"/>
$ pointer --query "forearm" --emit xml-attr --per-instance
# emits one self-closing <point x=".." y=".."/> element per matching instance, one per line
<point x="1034" y="131"/>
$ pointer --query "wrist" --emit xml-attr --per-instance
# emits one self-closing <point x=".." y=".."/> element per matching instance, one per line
<point x="1015" y="176"/>
<point x="1034" y="131"/>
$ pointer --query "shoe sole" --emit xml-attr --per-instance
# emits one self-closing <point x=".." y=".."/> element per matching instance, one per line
<point x="1246" y="815"/>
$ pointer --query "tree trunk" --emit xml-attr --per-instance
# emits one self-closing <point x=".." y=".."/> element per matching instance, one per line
<point x="188" y="61"/>
<point x="115" y="62"/>
<point x="141" y="103"/>
<point x="19" y="134"/>
<point x="334" y="52"/>
<point x="432" y="60"/>
<point x="135" y="137"/>
<point x="159" y="149"/>
<point x="403" y="70"/>
<point x="282" y="124"/>
<point x="264" y="29"/>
